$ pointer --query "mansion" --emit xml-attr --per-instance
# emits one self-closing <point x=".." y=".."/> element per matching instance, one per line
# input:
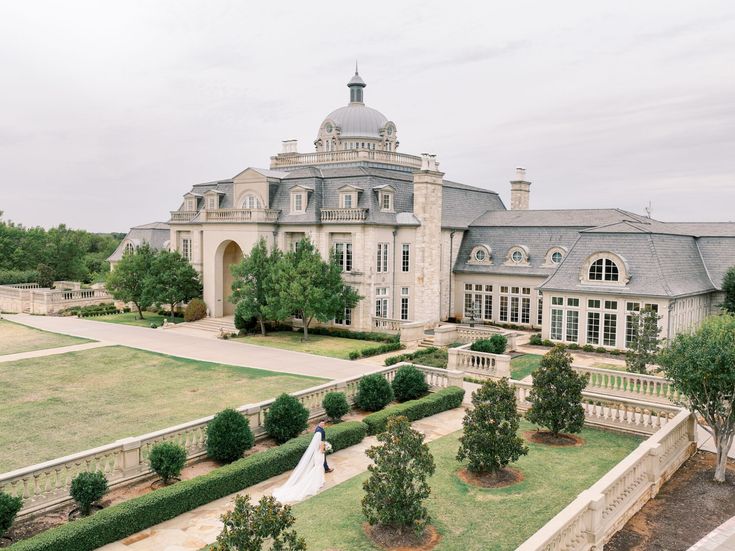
<point x="421" y="248"/>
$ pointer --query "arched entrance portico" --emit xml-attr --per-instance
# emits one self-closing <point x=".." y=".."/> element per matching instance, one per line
<point x="231" y="254"/>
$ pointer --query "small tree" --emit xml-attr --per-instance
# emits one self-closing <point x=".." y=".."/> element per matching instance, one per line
<point x="286" y="418"/>
<point x="171" y="279"/>
<point x="489" y="441"/>
<point x="167" y="460"/>
<point x="195" y="310"/>
<point x="9" y="507"/>
<point x="128" y="280"/>
<point x="409" y="383"/>
<point x="728" y="287"/>
<point x="702" y="367"/>
<point x="266" y="525"/>
<point x="45" y="275"/>
<point x="644" y="346"/>
<point x="335" y="405"/>
<point x="556" y="396"/>
<point x="399" y="479"/>
<point x="373" y="392"/>
<point x="228" y="436"/>
<point x="494" y="345"/>
<point x="86" y="489"/>
<point x="307" y="286"/>
<point x="253" y="282"/>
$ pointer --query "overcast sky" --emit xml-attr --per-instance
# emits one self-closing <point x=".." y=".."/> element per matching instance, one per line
<point x="110" y="111"/>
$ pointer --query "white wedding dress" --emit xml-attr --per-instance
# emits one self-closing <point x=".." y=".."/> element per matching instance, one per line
<point x="307" y="477"/>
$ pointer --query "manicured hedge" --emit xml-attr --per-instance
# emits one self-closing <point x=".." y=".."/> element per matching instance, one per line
<point x="442" y="400"/>
<point x="122" y="520"/>
<point x="375" y="350"/>
<point x="360" y="335"/>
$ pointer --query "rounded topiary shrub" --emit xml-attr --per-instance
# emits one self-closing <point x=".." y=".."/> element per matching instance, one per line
<point x="336" y="406"/>
<point x="409" y="384"/>
<point x="286" y="418"/>
<point x="195" y="310"/>
<point x="167" y="459"/>
<point x="228" y="436"/>
<point x="9" y="507"/>
<point x="494" y="345"/>
<point x="87" y="488"/>
<point x="373" y="393"/>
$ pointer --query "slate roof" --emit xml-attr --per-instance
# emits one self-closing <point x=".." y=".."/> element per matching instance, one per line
<point x="578" y="218"/>
<point x="156" y="234"/>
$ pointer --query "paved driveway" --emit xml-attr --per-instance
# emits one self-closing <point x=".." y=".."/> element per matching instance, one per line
<point x="198" y="348"/>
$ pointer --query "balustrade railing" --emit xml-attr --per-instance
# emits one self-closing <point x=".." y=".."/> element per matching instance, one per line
<point x="387" y="325"/>
<point x="344" y="215"/>
<point x="482" y="364"/>
<point x="183" y="215"/>
<point x="645" y="387"/>
<point x="46" y="485"/>
<point x="323" y="157"/>
<point x="241" y="215"/>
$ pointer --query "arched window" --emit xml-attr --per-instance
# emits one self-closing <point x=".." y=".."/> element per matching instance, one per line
<point x="604" y="269"/>
<point x="251" y="202"/>
<point x="481" y="254"/>
<point x="517" y="255"/>
<point x="129" y="248"/>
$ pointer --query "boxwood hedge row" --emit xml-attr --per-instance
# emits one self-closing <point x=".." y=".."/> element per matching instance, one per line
<point x="122" y="520"/>
<point x="442" y="400"/>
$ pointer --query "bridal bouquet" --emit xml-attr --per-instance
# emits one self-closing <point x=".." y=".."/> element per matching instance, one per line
<point x="327" y="447"/>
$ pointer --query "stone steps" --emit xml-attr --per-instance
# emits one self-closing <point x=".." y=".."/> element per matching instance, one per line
<point x="427" y="342"/>
<point x="211" y="325"/>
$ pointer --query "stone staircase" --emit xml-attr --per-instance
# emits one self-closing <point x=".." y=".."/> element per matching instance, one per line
<point x="214" y="326"/>
<point x="427" y="341"/>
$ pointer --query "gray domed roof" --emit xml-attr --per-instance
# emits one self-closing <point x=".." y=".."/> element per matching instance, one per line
<point x="356" y="120"/>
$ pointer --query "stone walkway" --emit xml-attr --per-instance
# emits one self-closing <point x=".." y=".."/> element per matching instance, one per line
<point x="721" y="538"/>
<point x="52" y="351"/>
<point x="195" y="529"/>
<point x="198" y="347"/>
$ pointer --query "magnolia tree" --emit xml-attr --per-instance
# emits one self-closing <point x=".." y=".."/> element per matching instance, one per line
<point x="489" y="441"/>
<point x="307" y="286"/>
<point x="644" y="346"/>
<point x="253" y="282"/>
<point x="702" y="368"/>
<point x="556" y="396"/>
<point x="128" y="280"/>
<point x="728" y="287"/>
<point x="172" y="279"/>
<point x="399" y="479"/>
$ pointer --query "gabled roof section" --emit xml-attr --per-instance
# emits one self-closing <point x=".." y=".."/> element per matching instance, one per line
<point x="577" y="218"/>
<point x="268" y="173"/>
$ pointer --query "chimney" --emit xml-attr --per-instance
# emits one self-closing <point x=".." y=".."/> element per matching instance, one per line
<point x="290" y="146"/>
<point x="520" y="190"/>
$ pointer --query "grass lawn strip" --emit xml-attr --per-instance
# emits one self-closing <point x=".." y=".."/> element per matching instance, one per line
<point x="66" y="403"/>
<point x="522" y="366"/>
<point x="16" y="338"/>
<point x="469" y="518"/>
<point x="321" y="345"/>
<point x="132" y="318"/>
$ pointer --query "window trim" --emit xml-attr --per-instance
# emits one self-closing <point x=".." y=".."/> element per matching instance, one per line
<point x="525" y="256"/>
<point x="622" y="266"/>
<point x="488" y="260"/>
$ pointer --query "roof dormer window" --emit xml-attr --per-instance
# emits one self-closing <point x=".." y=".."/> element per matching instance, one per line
<point x="386" y="201"/>
<point x="190" y="204"/>
<point x="298" y="202"/>
<point x="129" y="248"/>
<point x="517" y="256"/>
<point x="605" y="268"/>
<point x="481" y="254"/>
<point x="347" y="200"/>
<point x="251" y="201"/>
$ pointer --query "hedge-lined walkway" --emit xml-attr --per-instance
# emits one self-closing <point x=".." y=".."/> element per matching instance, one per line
<point x="200" y="527"/>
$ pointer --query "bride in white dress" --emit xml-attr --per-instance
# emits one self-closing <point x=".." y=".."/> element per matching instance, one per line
<point x="307" y="477"/>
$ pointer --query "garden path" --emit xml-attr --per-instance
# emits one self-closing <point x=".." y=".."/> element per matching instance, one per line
<point x="195" y="529"/>
<point x="52" y="351"/>
<point x="198" y="348"/>
<point x="721" y="538"/>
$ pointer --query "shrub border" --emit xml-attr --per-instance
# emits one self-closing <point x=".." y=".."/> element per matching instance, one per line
<point x="376" y="350"/>
<point x="441" y="400"/>
<point x="124" y="519"/>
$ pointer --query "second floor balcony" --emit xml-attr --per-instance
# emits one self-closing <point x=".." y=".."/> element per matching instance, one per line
<point x="267" y="216"/>
<point x="350" y="215"/>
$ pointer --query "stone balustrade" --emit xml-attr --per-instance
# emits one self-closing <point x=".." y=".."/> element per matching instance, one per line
<point x="241" y="215"/>
<point x="46" y="485"/>
<point x="349" y="155"/>
<point x="387" y="325"/>
<point x="479" y="364"/>
<point x="447" y="334"/>
<point x="32" y="299"/>
<point x="182" y="216"/>
<point x="645" y="387"/>
<point x="590" y="520"/>
<point x="344" y="215"/>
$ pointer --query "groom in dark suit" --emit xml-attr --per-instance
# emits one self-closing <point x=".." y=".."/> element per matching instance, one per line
<point x="320" y="430"/>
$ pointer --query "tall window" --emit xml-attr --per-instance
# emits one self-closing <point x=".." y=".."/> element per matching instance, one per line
<point x="404" y="303"/>
<point x="347" y="201"/>
<point x="405" y="257"/>
<point x="344" y="317"/>
<point x="593" y="328"/>
<point x="251" y="202"/>
<point x="604" y="269"/>
<point x="186" y="248"/>
<point x="572" y="326"/>
<point x="540" y="313"/>
<point x="381" y="302"/>
<point x="211" y="202"/>
<point x="488" y="309"/>
<point x="129" y="248"/>
<point x="557" y="315"/>
<point x="382" y="257"/>
<point x="386" y="201"/>
<point x="514" y="309"/>
<point x="503" y="307"/>
<point x="191" y="204"/>
<point x="343" y="254"/>
<point x="609" y="329"/>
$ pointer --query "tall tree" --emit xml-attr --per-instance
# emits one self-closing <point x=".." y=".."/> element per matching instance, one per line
<point x="644" y="346"/>
<point x="728" y="287"/>
<point x="171" y="279"/>
<point x="305" y="285"/>
<point x="556" y="396"/>
<point x="128" y="281"/>
<point x="702" y="368"/>
<point x="253" y="282"/>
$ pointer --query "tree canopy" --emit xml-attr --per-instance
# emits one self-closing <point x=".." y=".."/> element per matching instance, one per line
<point x="728" y="287"/>
<point x="643" y="348"/>
<point x="702" y="368"/>
<point x="129" y="280"/>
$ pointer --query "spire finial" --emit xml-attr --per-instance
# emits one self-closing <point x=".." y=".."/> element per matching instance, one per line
<point x="356" y="68"/>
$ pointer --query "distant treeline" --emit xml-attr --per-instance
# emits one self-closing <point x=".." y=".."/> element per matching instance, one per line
<point x="37" y="255"/>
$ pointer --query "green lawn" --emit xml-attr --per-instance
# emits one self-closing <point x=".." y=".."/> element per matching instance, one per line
<point x="523" y="365"/>
<point x="132" y="318"/>
<point x="322" y="345"/>
<point x="469" y="518"/>
<point x="57" y="405"/>
<point x="15" y="338"/>
<point x="603" y="365"/>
